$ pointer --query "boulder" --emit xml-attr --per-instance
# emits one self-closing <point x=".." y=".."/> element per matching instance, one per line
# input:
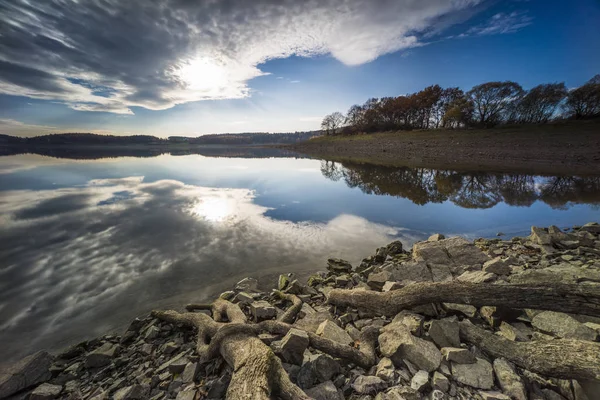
<point x="45" y="391"/>
<point x="458" y="355"/>
<point x="338" y="266"/>
<point x="365" y="384"/>
<point x="101" y="356"/>
<point x="562" y="325"/>
<point x="508" y="379"/>
<point x="397" y="343"/>
<point x="25" y="373"/>
<point x="444" y="332"/>
<point x="293" y="345"/>
<point x="328" y="329"/>
<point x="420" y="382"/>
<point x="325" y="391"/>
<point x="261" y="310"/>
<point x="497" y="266"/>
<point x="479" y="375"/>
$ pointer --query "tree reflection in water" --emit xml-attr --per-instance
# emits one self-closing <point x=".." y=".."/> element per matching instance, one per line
<point x="465" y="189"/>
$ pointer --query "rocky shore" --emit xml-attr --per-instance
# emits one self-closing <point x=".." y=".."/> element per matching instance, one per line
<point x="447" y="320"/>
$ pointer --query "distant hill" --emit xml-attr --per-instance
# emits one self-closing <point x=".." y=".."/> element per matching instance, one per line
<point x="221" y="139"/>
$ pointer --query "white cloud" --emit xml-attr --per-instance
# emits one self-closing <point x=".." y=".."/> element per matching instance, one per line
<point x="501" y="23"/>
<point x="114" y="55"/>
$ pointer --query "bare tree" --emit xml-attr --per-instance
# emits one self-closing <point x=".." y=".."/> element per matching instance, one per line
<point x="491" y="99"/>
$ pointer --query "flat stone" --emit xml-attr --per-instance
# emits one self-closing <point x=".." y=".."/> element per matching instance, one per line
<point x="27" y="372"/>
<point x="413" y="321"/>
<point x="411" y="271"/>
<point x="458" y="355"/>
<point x="324" y="391"/>
<point x="45" y="391"/>
<point x="293" y="345"/>
<point x="436" y="237"/>
<point x="244" y="298"/>
<point x="509" y="380"/>
<point x="338" y="266"/>
<point x="476" y="276"/>
<point x="305" y="310"/>
<point x="151" y="333"/>
<point x="135" y="392"/>
<point x="493" y="396"/>
<point x="420" y="382"/>
<point x="101" y="356"/>
<point x="512" y="333"/>
<point x="186" y="395"/>
<point x="311" y="322"/>
<point x="563" y="325"/>
<point x="496" y="266"/>
<point x="397" y="343"/>
<point x="478" y="375"/>
<point x="444" y="332"/>
<point x="385" y="369"/>
<point x="262" y="310"/>
<point x="465" y="309"/>
<point x="376" y="280"/>
<point x="247" y="285"/>
<point x="440" y="382"/>
<point x="457" y="253"/>
<point x="189" y="372"/>
<point x="175" y="359"/>
<point x="329" y="329"/>
<point x="365" y="384"/>
<point x="391" y="285"/>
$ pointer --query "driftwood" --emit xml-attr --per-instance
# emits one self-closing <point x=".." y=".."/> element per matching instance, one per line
<point x="567" y="298"/>
<point x="560" y="358"/>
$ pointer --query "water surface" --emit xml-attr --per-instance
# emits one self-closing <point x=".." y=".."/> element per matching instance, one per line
<point x="86" y="245"/>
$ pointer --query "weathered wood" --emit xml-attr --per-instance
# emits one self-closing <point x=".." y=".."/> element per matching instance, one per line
<point x="568" y="298"/>
<point x="290" y="314"/>
<point x="559" y="358"/>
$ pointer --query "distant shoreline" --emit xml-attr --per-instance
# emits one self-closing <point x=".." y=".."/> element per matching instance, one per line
<point x="571" y="147"/>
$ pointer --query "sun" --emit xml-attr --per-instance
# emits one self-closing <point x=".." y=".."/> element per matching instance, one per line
<point x="214" y="209"/>
<point x="203" y="74"/>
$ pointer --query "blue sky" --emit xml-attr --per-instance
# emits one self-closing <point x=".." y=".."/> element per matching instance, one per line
<point x="256" y="67"/>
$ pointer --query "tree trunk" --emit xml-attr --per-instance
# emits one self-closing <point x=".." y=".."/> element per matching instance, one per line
<point x="568" y="298"/>
<point x="560" y="358"/>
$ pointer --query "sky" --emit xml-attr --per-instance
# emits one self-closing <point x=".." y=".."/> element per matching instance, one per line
<point x="183" y="67"/>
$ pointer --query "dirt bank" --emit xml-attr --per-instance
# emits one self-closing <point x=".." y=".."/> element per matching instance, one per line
<point x="562" y="148"/>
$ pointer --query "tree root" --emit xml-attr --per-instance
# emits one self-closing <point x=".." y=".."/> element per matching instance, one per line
<point x="560" y="358"/>
<point x="567" y="298"/>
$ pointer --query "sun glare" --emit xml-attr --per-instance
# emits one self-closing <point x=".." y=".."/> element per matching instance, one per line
<point x="214" y="209"/>
<point x="203" y="74"/>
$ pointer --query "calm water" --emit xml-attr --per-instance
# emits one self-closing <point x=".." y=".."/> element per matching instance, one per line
<point x="86" y="245"/>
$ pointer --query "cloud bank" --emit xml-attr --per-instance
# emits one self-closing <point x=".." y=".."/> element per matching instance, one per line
<point x="111" y="55"/>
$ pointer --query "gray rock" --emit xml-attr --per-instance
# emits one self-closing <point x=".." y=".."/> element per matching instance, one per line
<point x="325" y="391"/>
<point x="189" y="372"/>
<point x="563" y="325"/>
<point x="397" y="343"/>
<point x="512" y="333"/>
<point x="497" y="266"/>
<point x="458" y="355"/>
<point x="420" y="382"/>
<point x="311" y="322"/>
<point x="391" y="285"/>
<point x="440" y="382"/>
<point x="444" y="332"/>
<point x="244" y="298"/>
<point x="365" y="384"/>
<point x="413" y="321"/>
<point x="465" y="309"/>
<point x="186" y="395"/>
<point x="175" y="359"/>
<point x="261" y="310"/>
<point x="458" y="254"/>
<point x="560" y="273"/>
<point x="411" y="271"/>
<point x="101" y="356"/>
<point x="305" y="310"/>
<point x="509" y="380"/>
<point x="338" y="266"/>
<point x="376" y="280"/>
<point x="135" y="392"/>
<point x="283" y="282"/>
<point x="293" y="345"/>
<point x="478" y="375"/>
<point x="25" y="373"/>
<point x="45" y="391"/>
<point x="476" y="277"/>
<point x="247" y="285"/>
<point x="436" y="237"/>
<point x="151" y="333"/>
<point x="493" y="396"/>
<point x="385" y="369"/>
<point x="218" y="387"/>
<point x="399" y="393"/>
<point x="328" y="329"/>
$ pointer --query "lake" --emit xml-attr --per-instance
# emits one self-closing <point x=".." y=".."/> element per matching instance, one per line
<point x="88" y="244"/>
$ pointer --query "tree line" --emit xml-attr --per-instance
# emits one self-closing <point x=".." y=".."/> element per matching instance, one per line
<point x="486" y="105"/>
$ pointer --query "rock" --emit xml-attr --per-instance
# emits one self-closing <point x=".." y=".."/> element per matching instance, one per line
<point x="189" y="372"/>
<point x="394" y="248"/>
<point x="391" y="285"/>
<point x="560" y="273"/>
<point x="45" y="391"/>
<point x="458" y="355"/>
<point x="397" y="343"/>
<point x="324" y="391"/>
<point x="244" y="298"/>
<point x="376" y="280"/>
<point x="25" y="373"/>
<point x="444" y="332"/>
<point x="412" y="271"/>
<point x="413" y="321"/>
<point x="218" y="387"/>
<point x="437" y="395"/>
<point x="512" y="333"/>
<point x="368" y="384"/>
<point x="186" y="395"/>
<point x="328" y="329"/>
<point x="497" y="266"/>
<point x="465" y="309"/>
<point x="101" y="356"/>
<point x="436" y="237"/>
<point x="458" y="254"/>
<point x="562" y="325"/>
<point x="311" y="322"/>
<point x="385" y="369"/>
<point x="478" y="375"/>
<point x="324" y="366"/>
<point x="175" y="359"/>
<point x="151" y="333"/>
<point x="592" y="227"/>
<point x="293" y="345"/>
<point x="261" y="310"/>
<point x="283" y="282"/>
<point x="338" y="266"/>
<point x="493" y="396"/>
<point x="247" y="285"/>
<point x="135" y="392"/>
<point x="476" y="277"/>
<point x="169" y="348"/>
<point x="399" y="393"/>
<point x="508" y="379"/>
<point x="495" y="315"/>
<point x="420" y="382"/>
<point x="440" y="382"/>
<point x="305" y="310"/>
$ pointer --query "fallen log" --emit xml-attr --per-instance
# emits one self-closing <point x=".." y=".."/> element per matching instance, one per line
<point x="567" y="298"/>
<point x="560" y="358"/>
